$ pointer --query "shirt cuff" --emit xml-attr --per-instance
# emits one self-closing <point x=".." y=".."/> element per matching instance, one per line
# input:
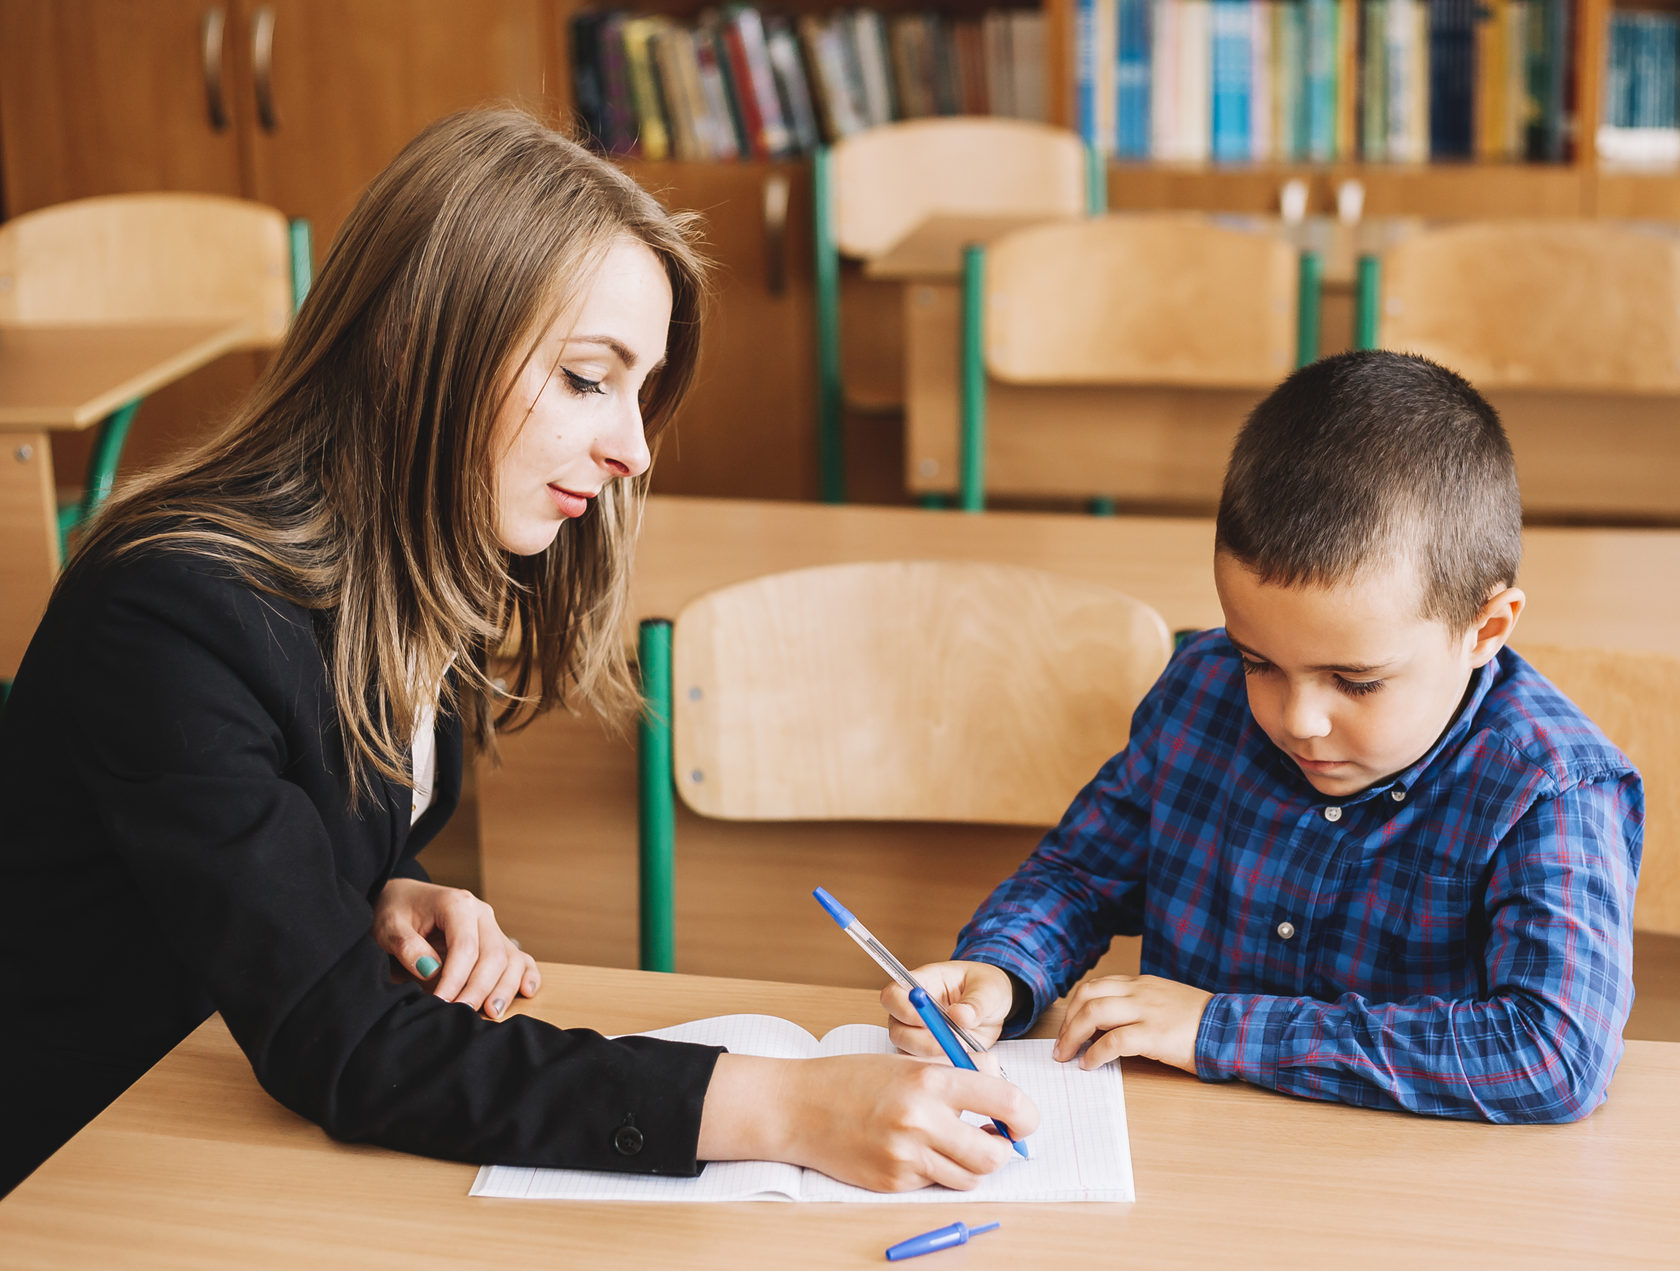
<point x="1241" y="1035"/>
<point x="1010" y="958"/>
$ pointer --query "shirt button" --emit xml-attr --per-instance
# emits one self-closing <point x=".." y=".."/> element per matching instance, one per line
<point x="1286" y="930"/>
<point x="1398" y="794"/>
<point x="627" y="1139"/>
<point x="1332" y="813"/>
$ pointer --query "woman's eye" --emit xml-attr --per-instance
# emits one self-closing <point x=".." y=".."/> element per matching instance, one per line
<point x="581" y="386"/>
<point x="1251" y="667"/>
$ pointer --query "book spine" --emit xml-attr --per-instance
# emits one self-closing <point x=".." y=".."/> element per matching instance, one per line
<point x="1321" y="79"/>
<point x="792" y="91"/>
<point x="1231" y="88"/>
<point x="1132" y="80"/>
<point x="1086" y="52"/>
<point x="1163" y="84"/>
<point x="618" y="113"/>
<point x="1195" y="92"/>
<point x="1107" y="68"/>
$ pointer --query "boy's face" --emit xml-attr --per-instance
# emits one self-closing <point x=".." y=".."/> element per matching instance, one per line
<point x="1348" y="681"/>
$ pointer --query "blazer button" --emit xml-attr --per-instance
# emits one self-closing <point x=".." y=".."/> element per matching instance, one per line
<point x="627" y="1139"/>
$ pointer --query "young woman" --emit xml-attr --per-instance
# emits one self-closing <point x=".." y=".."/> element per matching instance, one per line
<point x="245" y="709"/>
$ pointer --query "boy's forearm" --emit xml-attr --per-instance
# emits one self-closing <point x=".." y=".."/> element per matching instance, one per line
<point x="1507" y="1059"/>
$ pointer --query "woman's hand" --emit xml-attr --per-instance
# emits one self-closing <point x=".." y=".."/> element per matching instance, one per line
<point x="1132" y="1015"/>
<point x="976" y="995"/>
<point x="481" y="967"/>
<point x="886" y="1122"/>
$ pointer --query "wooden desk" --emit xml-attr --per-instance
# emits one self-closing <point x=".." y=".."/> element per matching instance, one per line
<point x="67" y="378"/>
<point x="196" y="1166"/>
<point x="1166" y="447"/>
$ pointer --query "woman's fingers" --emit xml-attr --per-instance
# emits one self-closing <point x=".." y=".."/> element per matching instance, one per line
<point x="507" y="987"/>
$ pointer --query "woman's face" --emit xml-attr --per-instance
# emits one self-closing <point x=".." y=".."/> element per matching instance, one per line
<point x="572" y="421"/>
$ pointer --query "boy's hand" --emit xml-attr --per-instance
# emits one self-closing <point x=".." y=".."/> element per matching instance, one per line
<point x="975" y="995"/>
<point x="1132" y="1015"/>
<point x="480" y="966"/>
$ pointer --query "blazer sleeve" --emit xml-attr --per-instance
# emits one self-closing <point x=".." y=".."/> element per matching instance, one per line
<point x="188" y="764"/>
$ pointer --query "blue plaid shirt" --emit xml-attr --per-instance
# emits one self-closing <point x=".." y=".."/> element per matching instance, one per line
<point x="1454" y="940"/>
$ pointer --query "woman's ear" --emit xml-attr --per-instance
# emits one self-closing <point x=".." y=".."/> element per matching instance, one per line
<point x="1495" y="623"/>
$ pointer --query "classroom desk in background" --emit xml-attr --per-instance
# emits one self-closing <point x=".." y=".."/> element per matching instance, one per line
<point x="1167" y="446"/>
<point x="557" y="820"/>
<point x="196" y="1166"/>
<point x="1171" y="443"/>
<point x="68" y="378"/>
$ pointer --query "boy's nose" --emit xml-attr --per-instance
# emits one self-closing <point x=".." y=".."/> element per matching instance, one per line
<point x="1304" y="716"/>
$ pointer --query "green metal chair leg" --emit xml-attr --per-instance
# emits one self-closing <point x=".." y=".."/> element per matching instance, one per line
<point x="1096" y="182"/>
<point x="972" y="478"/>
<point x="301" y="238"/>
<point x="101" y="473"/>
<point x="1309" y="308"/>
<point x="657" y="821"/>
<point x="1367" y="300"/>
<point x="831" y="443"/>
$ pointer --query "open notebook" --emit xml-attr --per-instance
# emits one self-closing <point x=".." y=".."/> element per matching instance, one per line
<point x="1080" y="1152"/>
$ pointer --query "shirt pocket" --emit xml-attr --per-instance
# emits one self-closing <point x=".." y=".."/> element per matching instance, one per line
<point x="1427" y="944"/>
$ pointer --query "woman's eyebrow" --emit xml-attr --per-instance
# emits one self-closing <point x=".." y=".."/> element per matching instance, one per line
<point x="620" y="349"/>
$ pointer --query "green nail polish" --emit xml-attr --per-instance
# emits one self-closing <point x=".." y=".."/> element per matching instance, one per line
<point x="426" y="967"/>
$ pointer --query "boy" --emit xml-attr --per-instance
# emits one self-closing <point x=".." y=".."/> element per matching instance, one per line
<point x="1374" y="856"/>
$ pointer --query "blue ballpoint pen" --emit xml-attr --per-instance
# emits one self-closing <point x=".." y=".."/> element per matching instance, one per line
<point x="954" y="1050"/>
<point x="884" y="959"/>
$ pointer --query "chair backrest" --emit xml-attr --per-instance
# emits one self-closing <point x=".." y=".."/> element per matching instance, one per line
<point x="186" y="257"/>
<point x="1635" y="699"/>
<point x="887" y="180"/>
<point x="1570" y="305"/>
<point x="900" y="690"/>
<point x="1140" y="299"/>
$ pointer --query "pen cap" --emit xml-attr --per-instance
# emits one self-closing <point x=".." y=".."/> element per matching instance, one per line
<point x="933" y="1241"/>
<point x="836" y="910"/>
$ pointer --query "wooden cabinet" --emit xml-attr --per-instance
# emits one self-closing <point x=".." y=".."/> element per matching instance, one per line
<point x="294" y="103"/>
<point x="329" y="92"/>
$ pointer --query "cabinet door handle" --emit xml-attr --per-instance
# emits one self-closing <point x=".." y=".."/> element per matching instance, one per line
<point x="776" y="189"/>
<point x="214" y="33"/>
<point x="262" y="66"/>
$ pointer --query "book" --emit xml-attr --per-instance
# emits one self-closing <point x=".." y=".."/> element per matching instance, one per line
<point x="1230" y="73"/>
<point x="1081" y="1150"/>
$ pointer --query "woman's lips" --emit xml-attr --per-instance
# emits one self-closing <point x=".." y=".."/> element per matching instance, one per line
<point x="568" y="503"/>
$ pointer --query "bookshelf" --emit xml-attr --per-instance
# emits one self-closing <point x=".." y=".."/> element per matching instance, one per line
<point x="1574" y="186"/>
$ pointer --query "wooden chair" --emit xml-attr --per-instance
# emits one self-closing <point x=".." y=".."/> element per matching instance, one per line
<point x="1572" y="330"/>
<point x="889" y="691"/>
<point x="1635" y="698"/>
<point x="873" y="187"/>
<point x="1172" y="302"/>
<point x="150" y="258"/>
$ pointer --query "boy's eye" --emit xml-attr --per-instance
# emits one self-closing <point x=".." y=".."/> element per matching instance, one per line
<point x="1358" y="688"/>
<point x="1253" y="667"/>
<point x="579" y="385"/>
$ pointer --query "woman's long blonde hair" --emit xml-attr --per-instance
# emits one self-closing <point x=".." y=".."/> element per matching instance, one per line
<point x="356" y="480"/>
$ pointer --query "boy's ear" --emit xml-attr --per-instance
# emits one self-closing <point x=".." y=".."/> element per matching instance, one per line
<point x="1495" y="623"/>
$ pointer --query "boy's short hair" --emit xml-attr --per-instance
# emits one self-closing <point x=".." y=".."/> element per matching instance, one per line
<point x="1369" y="458"/>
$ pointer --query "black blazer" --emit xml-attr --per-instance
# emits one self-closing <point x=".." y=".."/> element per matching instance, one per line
<point x="176" y="839"/>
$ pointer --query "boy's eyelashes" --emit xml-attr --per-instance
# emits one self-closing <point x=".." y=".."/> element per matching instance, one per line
<point x="1352" y="688"/>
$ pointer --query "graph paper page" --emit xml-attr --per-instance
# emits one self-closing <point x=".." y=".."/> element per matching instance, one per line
<point x="1081" y="1150"/>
